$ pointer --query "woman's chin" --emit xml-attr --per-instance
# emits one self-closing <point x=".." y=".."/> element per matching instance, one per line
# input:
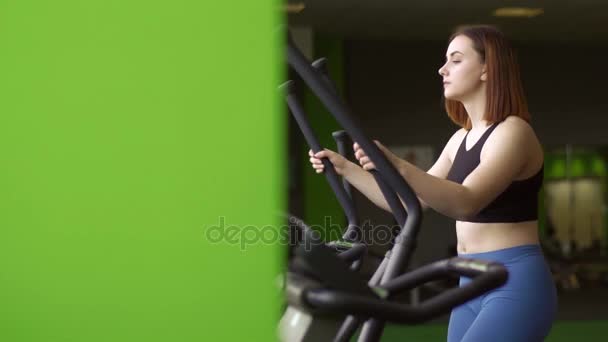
<point x="448" y="95"/>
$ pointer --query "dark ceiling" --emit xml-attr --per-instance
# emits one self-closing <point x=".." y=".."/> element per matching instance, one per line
<point x="562" y="21"/>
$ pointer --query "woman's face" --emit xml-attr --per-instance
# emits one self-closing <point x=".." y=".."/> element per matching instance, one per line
<point x="463" y="72"/>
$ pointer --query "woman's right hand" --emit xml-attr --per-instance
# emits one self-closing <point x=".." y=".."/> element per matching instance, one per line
<point x="340" y="163"/>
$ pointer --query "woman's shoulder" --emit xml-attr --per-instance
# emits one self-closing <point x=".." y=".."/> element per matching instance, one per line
<point x="458" y="135"/>
<point x="518" y="135"/>
<point x="514" y="127"/>
<point x="513" y="122"/>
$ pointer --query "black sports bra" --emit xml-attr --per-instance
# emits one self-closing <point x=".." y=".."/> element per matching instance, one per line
<point x="518" y="203"/>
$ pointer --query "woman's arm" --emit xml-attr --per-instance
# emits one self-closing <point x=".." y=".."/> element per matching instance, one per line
<point x="504" y="156"/>
<point x="365" y="182"/>
<point x="440" y="169"/>
<point x="442" y="166"/>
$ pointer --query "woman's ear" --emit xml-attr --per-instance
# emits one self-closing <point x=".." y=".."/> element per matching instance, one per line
<point x="484" y="74"/>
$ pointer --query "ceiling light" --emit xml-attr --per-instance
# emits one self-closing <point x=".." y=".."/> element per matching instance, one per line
<point x="294" y="8"/>
<point x="525" y="12"/>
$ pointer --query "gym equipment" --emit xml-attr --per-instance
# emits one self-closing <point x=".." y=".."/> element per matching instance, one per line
<point x="327" y="300"/>
<point x="321" y="291"/>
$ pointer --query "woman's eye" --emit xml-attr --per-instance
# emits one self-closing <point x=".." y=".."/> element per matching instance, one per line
<point x="455" y="62"/>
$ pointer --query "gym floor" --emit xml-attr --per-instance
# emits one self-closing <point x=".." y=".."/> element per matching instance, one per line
<point x="563" y="331"/>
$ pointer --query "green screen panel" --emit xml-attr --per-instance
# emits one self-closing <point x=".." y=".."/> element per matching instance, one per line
<point x="128" y="129"/>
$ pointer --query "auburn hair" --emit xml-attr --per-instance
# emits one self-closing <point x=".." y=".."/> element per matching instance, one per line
<point x="504" y="90"/>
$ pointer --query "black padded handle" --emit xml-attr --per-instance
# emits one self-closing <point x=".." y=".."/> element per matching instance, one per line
<point x="330" y="173"/>
<point x="342" y="141"/>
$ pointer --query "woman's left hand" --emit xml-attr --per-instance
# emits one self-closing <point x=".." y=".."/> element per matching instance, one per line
<point x="366" y="162"/>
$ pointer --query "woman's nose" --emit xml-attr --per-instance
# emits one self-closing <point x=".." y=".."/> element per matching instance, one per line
<point x="442" y="70"/>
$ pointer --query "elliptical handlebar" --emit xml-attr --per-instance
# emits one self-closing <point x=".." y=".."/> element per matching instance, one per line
<point x="323" y="90"/>
<point x="342" y="136"/>
<point x="330" y="173"/>
<point x="486" y="276"/>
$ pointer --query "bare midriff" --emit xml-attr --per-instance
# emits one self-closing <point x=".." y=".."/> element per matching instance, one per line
<point x="476" y="237"/>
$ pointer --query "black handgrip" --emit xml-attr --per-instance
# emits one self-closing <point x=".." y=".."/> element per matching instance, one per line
<point x="342" y="140"/>
<point x="330" y="173"/>
<point x="321" y="66"/>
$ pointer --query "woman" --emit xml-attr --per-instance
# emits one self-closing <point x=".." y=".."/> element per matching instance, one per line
<point x="487" y="178"/>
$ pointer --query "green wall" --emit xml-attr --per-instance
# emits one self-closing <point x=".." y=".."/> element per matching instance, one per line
<point x="127" y="129"/>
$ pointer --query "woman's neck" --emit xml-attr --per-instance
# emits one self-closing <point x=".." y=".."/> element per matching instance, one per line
<point x="476" y="105"/>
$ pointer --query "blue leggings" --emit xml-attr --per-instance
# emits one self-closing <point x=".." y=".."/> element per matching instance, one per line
<point x="521" y="310"/>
